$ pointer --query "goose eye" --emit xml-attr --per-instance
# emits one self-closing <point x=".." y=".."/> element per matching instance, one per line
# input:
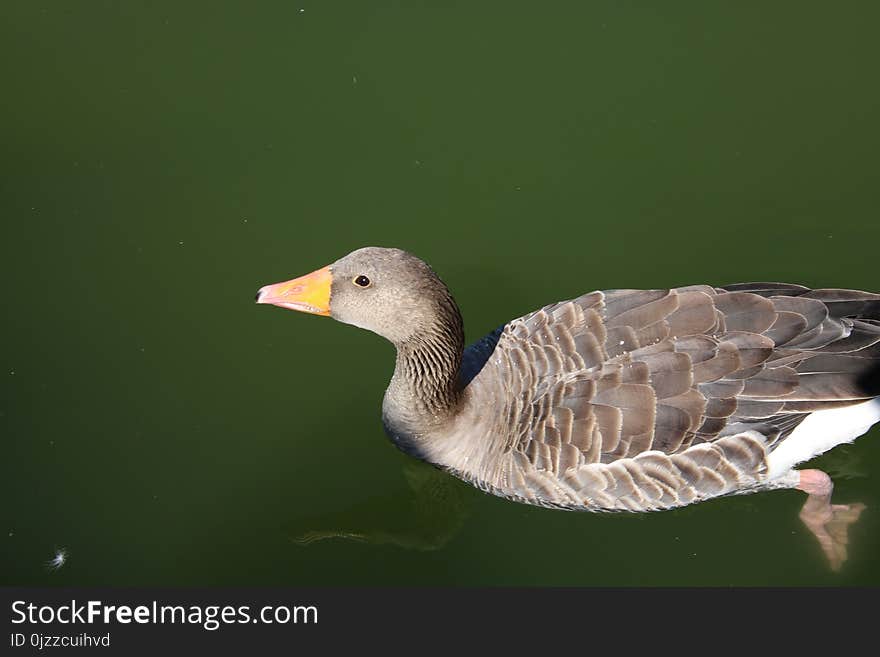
<point x="362" y="281"/>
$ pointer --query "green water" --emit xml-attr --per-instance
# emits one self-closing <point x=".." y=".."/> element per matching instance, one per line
<point x="163" y="160"/>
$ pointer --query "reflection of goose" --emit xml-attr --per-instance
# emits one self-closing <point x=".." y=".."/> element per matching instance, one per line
<point x="630" y="400"/>
<point x="427" y="520"/>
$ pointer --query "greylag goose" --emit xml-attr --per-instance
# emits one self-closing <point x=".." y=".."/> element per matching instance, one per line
<point x="619" y="400"/>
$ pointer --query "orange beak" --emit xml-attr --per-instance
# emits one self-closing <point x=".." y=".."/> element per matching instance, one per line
<point x="308" y="294"/>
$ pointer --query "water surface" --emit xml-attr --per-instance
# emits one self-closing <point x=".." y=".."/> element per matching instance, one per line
<point x="163" y="160"/>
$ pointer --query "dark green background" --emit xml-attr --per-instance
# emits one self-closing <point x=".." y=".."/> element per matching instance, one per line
<point x="162" y="160"/>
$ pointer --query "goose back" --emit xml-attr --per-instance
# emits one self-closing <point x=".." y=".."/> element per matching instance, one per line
<point x="649" y="399"/>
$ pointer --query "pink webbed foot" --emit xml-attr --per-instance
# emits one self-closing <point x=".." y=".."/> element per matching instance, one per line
<point x="828" y="522"/>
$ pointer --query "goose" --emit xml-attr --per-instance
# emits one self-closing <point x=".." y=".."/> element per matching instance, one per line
<point x="619" y="400"/>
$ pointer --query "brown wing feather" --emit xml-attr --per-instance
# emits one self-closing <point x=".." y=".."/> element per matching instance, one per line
<point x="609" y="376"/>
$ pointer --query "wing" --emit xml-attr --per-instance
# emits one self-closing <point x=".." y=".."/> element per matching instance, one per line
<point x="612" y="375"/>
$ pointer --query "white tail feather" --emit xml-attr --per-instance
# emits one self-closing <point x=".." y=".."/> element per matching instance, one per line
<point x="821" y="431"/>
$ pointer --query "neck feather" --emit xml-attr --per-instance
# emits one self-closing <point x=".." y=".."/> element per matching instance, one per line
<point x="426" y="387"/>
